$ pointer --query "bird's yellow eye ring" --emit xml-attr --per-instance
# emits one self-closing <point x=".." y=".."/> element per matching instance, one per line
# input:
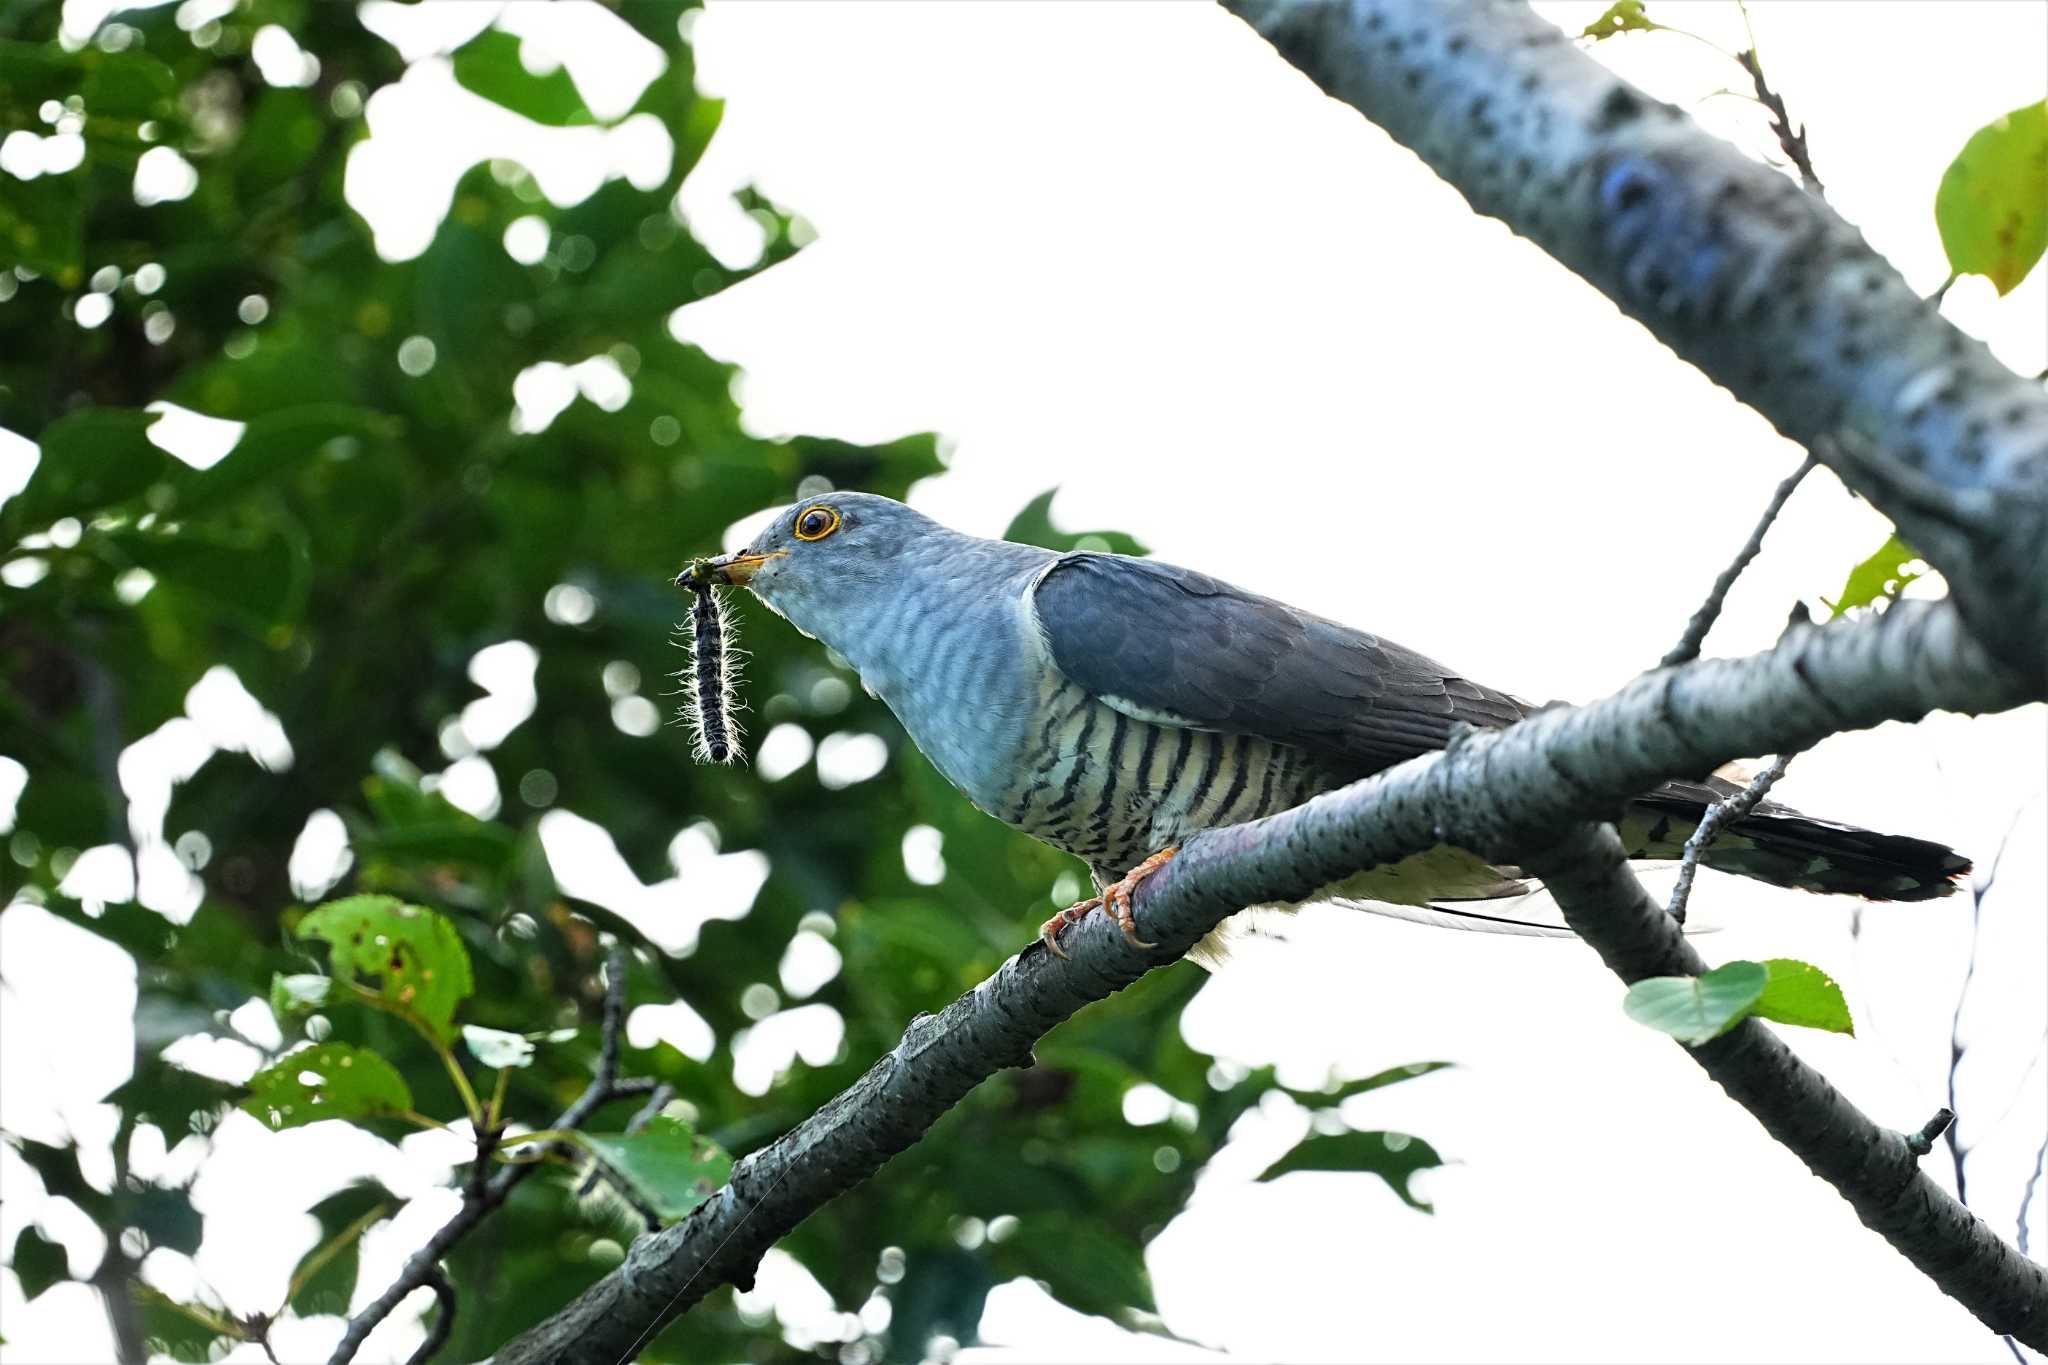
<point x="815" y="523"/>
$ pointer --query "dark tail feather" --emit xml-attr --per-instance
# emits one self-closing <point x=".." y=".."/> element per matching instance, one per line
<point x="1779" y="845"/>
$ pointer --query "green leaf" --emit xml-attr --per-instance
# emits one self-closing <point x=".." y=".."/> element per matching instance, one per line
<point x="93" y="458"/>
<point x="407" y="956"/>
<point x="38" y="1262"/>
<point x="1992" y="205"/>
<point x="1393" y="1157"/>
<point x="277" y="444"/>
<point x="1881" y="577"/>
<point x="130" y="86"/>
<point x="1623" y="16"/>
<point x="1393" y="1075"/>
<point x="327" y="1081"/>
<point x="1033" y="526"/>
<point x="165" y="1216"/>
<point x="330" y="1286"/>
<point x="497" y="1049"/>
<point x="489" y="64"/>
<point x="1693" y="1009"/>
<point x="256" y="579"/>
<point x="1092" y="1268"/>
<point x="1801" y="993"/>
<point x="667" y="1165"/>
<point x="42" y="226"/>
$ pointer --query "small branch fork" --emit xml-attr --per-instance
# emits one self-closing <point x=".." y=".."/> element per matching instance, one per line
<point x="484" y="1191"/>
<point x="1718" y="817"/>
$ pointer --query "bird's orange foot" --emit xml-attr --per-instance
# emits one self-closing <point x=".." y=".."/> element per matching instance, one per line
<point x="1049" y="932"/>
<point x="1115" y="901"/>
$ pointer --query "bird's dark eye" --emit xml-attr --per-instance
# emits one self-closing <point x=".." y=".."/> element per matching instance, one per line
<point x="815" y="523"/>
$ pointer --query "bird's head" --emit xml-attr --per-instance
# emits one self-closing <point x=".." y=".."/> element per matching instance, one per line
<point x="826" y="562"/>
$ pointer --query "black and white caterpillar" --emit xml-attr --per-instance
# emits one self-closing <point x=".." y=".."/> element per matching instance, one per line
<point x="711" y="699"/>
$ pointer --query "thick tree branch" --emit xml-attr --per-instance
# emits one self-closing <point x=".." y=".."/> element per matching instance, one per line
<point x="1735" y="267"/>
<point x="1503" y="793"/>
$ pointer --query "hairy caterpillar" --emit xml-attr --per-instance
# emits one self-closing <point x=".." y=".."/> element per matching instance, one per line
<point x="711" y="701"/>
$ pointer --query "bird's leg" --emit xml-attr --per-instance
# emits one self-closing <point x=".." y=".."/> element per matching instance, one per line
<point x="1114" y="901"/>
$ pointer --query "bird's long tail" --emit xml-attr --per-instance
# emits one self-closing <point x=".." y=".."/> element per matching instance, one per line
<point x="1453" y="889"/>
<point x="1777" y="844"/>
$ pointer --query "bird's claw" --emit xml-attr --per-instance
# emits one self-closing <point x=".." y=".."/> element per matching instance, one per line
<point x="1114" y="901"/>
<point x="1049" y="932"/>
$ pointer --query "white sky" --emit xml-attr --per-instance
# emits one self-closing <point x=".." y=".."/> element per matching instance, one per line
<point x="1126" y="250"/>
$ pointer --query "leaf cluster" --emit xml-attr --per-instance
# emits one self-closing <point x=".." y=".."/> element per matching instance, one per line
<point x="378" y="519"/>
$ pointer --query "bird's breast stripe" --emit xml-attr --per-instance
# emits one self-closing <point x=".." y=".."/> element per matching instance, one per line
<point x="1079" y="752"/>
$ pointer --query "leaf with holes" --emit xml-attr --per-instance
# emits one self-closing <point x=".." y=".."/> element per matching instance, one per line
<point x="1623" y="16"/>
<point x="1992" y="206"/>
<point x="666" y="1164"/>
<point x="327" y="1081"/>
<point x="407" y="957"/>
<point x="1879" y="578"/>
<point x="1393" y="1157"/>
<point x="1693" y="1009"/>
<point x="1802" y="994"/>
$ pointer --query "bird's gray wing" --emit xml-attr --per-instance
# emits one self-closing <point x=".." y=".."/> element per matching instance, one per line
<point x="1176" y="647"/>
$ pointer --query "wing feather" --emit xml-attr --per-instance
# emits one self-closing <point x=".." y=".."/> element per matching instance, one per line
<point x="1174" y="646"/>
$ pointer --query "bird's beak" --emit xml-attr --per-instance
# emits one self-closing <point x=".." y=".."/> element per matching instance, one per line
<point x="734" y="569"/>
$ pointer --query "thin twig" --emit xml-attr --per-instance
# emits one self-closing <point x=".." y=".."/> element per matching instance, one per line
<point x="1957" y="1149"/>
<point x="1688" y="647"/>
<point x="1718" y="816"/>
<point x="481" y="1196"/>
<point x="444" y="1323"/>
<point x="2027" y="1195"/>
<point x="1791" y="139"/>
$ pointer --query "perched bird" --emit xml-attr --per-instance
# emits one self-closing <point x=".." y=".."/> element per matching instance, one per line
<point x="1113" y="706"/>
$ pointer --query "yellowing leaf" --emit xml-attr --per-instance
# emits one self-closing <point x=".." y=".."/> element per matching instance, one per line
<point x="1623" y="16"/>
<point x="1992" y="206"/>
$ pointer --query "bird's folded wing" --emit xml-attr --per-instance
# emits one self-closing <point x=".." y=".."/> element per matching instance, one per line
<point x="1175" y="647"/>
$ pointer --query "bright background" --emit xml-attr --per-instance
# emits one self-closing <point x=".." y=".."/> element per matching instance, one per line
<point x="1126" y="250"/>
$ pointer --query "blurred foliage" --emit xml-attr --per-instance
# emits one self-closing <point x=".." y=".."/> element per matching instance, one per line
<point x="378" y="522"/>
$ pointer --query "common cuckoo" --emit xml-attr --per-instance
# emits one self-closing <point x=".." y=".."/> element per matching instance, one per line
<point x="1113" y="706"/>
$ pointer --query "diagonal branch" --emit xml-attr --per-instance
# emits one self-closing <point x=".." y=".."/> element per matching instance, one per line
<point x="1494" y="791"/>
<point x="1688" y="647"/>
<point x="1760" y="284"/>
